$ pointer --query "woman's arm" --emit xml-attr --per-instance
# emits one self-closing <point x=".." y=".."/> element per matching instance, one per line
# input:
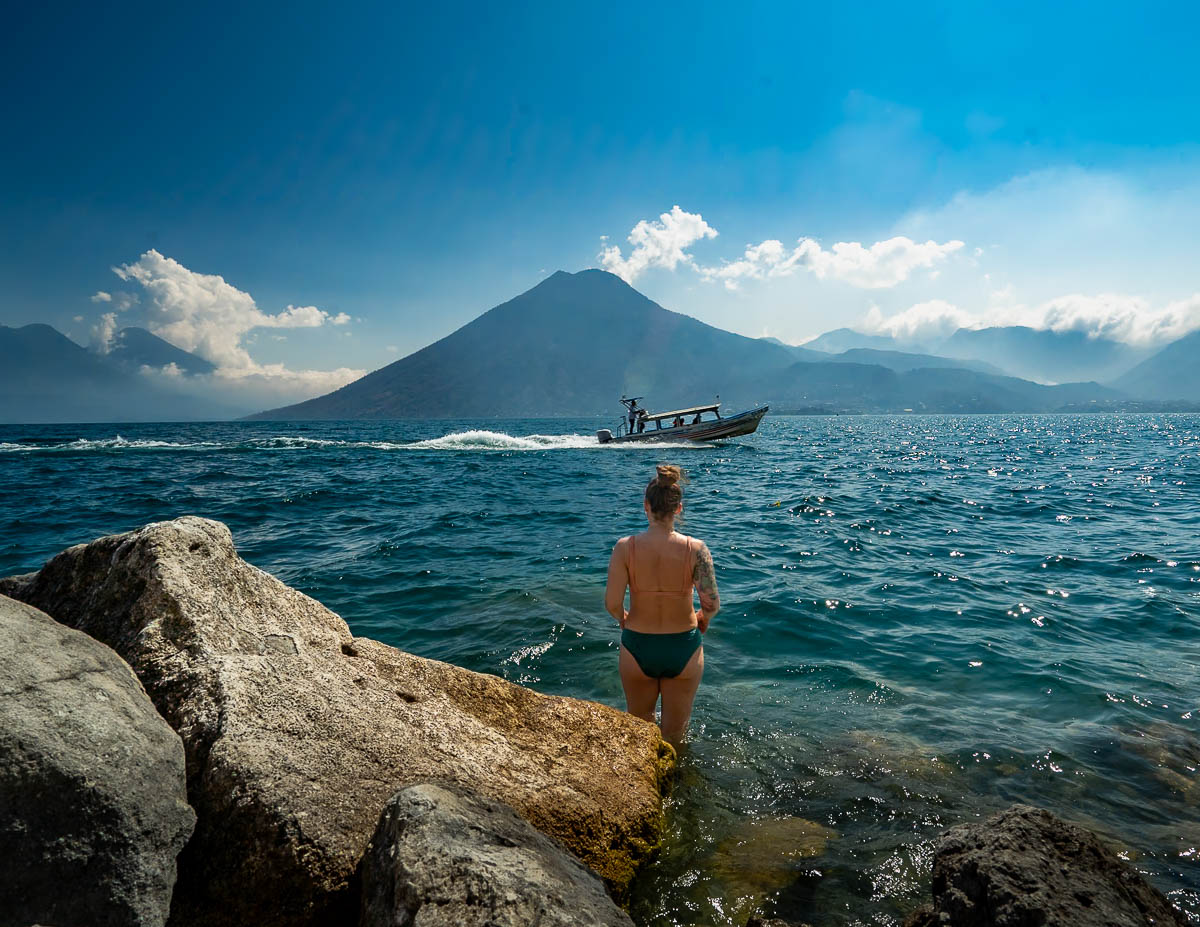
<point x="704" y="578"/>
<point x="618" y="579"/>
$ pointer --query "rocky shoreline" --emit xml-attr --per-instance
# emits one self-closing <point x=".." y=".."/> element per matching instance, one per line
<point x="185" y="739"/>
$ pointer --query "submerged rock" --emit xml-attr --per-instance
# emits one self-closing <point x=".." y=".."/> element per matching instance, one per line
<point x="93" y="808"/>
<point x="1025" y="867"/>
<point x="443" y="857"/>
<point x="297" y="733"/>
<point x="762" y="856"/>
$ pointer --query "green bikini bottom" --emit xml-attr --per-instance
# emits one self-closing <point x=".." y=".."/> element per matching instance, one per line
<point x="662" y="656"/>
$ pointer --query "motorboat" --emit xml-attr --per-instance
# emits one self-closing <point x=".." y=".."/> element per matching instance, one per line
<point x="680" y="424"/>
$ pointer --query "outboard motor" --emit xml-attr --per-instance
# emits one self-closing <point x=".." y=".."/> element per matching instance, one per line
<point x="603" y="435"/>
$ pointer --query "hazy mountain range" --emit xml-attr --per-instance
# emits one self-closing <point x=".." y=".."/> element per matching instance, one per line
<point x="1034" y="354"/>
<point x="576" y="342"/>
<point x="47" y="377"/>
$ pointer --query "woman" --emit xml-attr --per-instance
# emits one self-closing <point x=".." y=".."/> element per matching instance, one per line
<point x="661" y="652"/>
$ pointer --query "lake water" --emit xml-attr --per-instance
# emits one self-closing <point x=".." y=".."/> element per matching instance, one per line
<point x="925" y="618"/>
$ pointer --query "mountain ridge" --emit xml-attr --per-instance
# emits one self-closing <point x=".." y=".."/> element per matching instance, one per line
<point x="47" y="377"/>
<point x="573" y="343"/>
<point x="1171" y="373"/>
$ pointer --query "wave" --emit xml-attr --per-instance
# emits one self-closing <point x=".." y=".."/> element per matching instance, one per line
<point x="108" y="444"/>
<point x="474" y="440"/>
<point x="500" y="441"/>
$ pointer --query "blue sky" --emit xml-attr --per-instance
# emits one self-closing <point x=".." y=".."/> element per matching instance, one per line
<point x="393" y="170"/>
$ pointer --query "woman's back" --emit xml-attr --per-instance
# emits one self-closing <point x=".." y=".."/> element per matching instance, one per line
<point x="661" y="568"/>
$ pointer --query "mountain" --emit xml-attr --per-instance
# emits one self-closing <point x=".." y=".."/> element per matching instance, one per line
<point x="798" y="352"/>
<point x="569" y="346"/>
<point x="1044" y="356"/>
<point x="902" y="361"/>
<point x="1033" y="354"/>
<point x="47" y="377"/>
<point x="134" y="348"/>
<point x="873" y="388"/>
<point x="893" y="359"/>
<point x="576" y="342"/>
<point x="846" y="339"/>
<point x="1172" y="373"/>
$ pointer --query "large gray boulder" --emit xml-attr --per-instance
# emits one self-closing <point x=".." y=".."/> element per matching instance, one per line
<point x="442" y="857"/>
<point x="93" y="807"/>
<point x="1026" y="868"/>
<point x="297" y="733"/>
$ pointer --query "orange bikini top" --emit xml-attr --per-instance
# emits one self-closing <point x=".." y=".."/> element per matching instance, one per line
<point x="689" y="563"/>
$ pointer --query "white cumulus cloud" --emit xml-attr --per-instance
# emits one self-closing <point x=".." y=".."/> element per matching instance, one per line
<point x="882" y="265"/>
<point x="658" y="244"/>
<point x="204" y="314"/>
<point x="101" y="297"/>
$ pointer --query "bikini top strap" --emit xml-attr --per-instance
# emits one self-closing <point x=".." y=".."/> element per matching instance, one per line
<point x="629" y="564"/>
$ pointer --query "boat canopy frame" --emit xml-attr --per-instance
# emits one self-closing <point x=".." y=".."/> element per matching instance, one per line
<point x="694" y="410"/>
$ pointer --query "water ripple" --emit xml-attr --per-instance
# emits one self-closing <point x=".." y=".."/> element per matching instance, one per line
<point x="925" y="617"/>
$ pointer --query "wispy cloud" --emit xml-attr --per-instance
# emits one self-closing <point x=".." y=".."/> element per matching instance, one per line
<point x="204" y="314"/>
<point x="101" y="297"/>
<point x="658" y="244"/>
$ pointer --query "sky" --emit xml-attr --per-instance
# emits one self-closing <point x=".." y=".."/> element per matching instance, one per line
<point x="304" y="192"/>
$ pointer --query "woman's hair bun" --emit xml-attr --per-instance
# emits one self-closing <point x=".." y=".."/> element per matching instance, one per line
<point x="664" y="493"/>
<point x="669" y="474"/>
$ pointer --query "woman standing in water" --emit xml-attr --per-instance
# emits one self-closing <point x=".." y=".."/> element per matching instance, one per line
<point x="661" y="651"/>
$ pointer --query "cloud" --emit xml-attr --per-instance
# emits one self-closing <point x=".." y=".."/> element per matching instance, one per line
<point x="103" y="332"/>
<point x="1121" y="318"/>
<point x="882" y="265"/>
<point x="658" y="244"/>
<point x="242" y="391"/>
<point x="934" y="319"/>
<point x="664" y="243"/>
<point x="169" y="371"/>
<point x="119" y="301"/>
<point x="204" y="314"/>
<point x="303" y="317"/>
<point x="1131" y="319"/>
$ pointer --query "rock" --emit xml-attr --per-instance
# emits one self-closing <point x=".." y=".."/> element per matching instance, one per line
<point x="443" y="857"/>
<point x="93" y="807"/>
<point x="761" y="857"/>
<point x="1026" y="867"/>
<point x="771" y="922"/>
<point x="297" y="733"/>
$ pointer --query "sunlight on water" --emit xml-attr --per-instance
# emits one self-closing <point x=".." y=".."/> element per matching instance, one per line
<point x="925" y="618"/>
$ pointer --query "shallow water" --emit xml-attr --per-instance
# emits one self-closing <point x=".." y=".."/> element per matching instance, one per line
<point x="925" y="618"/>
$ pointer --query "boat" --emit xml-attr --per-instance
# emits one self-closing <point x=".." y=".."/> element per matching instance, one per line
<point x="684" y="424"/>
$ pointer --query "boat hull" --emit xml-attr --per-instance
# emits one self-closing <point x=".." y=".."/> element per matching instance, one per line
<point x="743" y="423"/>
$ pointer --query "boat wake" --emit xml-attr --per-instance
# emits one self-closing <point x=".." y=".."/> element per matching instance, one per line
<point x="474" y="440"/>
